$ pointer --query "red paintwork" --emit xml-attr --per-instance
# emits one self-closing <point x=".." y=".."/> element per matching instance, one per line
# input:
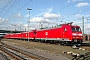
<point x="57" y="32"/>
<point x="63" y="32"/>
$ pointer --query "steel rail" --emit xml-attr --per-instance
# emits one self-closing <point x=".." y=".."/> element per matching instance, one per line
<point x="29" y="54"/>
<point x="12" y="54"/>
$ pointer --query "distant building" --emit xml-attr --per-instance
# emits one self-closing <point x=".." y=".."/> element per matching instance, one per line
<point x="86" y="37"/>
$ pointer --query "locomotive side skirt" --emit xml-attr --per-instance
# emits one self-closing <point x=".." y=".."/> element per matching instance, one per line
<point x="56" y="39"/>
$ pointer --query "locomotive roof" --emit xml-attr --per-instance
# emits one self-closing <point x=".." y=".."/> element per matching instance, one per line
<point x="52" y="27"/>
<point x="58" y="26"/>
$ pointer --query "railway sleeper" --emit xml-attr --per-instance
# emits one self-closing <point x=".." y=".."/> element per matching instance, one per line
<point x="12" y="54"/>
<point x="29" y="54"/>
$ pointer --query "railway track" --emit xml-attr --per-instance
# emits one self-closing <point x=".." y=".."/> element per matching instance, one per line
<point x="85" y="56"/>
<point x="74" y="55"/>
<point x="19" y="54"/>
<point x="12" y="54"/>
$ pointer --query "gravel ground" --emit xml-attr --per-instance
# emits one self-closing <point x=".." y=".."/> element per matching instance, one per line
<point x="48" y="50"/>
<point x="3" y="57"/>
<point x="42" y="53"/>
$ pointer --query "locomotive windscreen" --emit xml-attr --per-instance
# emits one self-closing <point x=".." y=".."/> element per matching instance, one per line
<point x="74" y="29"/>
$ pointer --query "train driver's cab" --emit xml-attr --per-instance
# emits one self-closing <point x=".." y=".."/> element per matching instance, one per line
<point x="76" y="29"/>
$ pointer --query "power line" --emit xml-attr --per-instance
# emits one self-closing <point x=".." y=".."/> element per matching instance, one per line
<point x="77" y="12"/>
<point x="10" y="7"/>
<point x="81" y="11"/>
<point x="66" y="6"/>
<point x="8" y="4"/>
<point x="84" y="10"/>
<point x="7" y="10"/>
<point x="5" y="6"/>
<point x="20" y="8"/>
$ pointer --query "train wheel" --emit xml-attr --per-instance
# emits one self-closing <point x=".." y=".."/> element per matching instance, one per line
<point x="66" y="43"/>
<point x="56" y="42"/>
<point x="62" y="43"/>
<point x="81" y="42"/>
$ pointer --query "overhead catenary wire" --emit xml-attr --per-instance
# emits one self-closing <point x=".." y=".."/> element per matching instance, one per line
<point x="7" y="10"/>
<point x="77" y="12"/>
<point x="10" y="7"/>
<point x="20" y="8"/>
<point x="30" y="1"/>
<point x="5" y="6"/>
<point x="17" y="10"/>
<point x="71" y="14"/>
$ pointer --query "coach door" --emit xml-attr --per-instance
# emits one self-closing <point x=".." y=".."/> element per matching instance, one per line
<point x="65" y="33"/>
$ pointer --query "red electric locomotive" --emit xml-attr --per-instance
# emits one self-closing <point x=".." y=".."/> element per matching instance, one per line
<point x="64" y="33"/>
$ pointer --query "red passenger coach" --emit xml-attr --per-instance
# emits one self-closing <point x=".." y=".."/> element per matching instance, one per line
<point x="7" y="36"/>
<point x="27" y="35"/>
<point x="24" y="35"/>
<point x="64" y="33"/>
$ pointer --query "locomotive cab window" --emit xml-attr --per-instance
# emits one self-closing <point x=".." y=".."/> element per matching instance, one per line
<point x="73" y="29"/>
<point x="76" y="29"/>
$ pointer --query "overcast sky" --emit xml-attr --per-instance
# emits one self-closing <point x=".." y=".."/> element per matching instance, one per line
<point x="14" y="13"/>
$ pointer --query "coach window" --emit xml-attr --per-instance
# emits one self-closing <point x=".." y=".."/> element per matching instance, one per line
<point x="65" y="29"/>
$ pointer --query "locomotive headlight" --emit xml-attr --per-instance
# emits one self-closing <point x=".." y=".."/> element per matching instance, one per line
<point x="73" y="37"/>
<point x="81" y="37"/>
<point x="80" y="34"/>
<point x="74" y="34"/>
